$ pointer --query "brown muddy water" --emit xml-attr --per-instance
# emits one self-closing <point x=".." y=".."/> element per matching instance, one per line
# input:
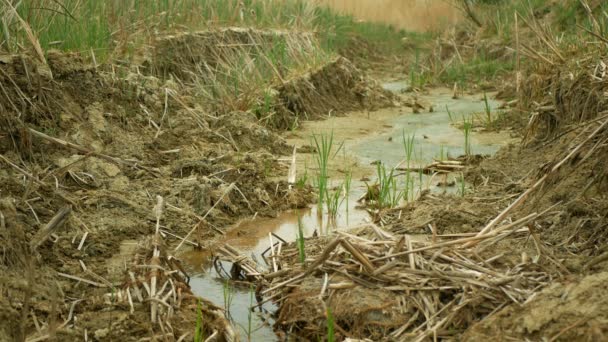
<point x="367" y="137"/>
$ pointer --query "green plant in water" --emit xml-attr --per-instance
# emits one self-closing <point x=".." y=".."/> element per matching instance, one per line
<point x="389" y="194"/>
<point x="347" y="185"/>
<point x="442" y="153"/>
<point x="408" y="148"/>
<point x="488" y="110"/>
<point x="301" y="181"/>
<point x="198" y="330"/>
<point x="333" y="201"/>
<point x="467" y="127"/>
<point x="300" y="241"/>
<point x="250" y="314"/>
<point x="228" y="292"/>
<point x="331" y="335"/>
<point x="461" y="185"/>
<point x="324" y="145"/>
<point x="447" y="109"/>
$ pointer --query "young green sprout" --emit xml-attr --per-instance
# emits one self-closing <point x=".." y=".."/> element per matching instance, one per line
<point x="408" y="148"/>
<point x="462" y="185"/>
<point x="467" y="127"/>
<point x="347" y="185"/>
<point x="488" y="110"/>
<point x="325" y="152"/>
<point x="300" y="241"/>
<point x="228" y="292"/>
<point x="331" y="335"/>
<point x="198" y="330"/>
<point x="388" y="193"/>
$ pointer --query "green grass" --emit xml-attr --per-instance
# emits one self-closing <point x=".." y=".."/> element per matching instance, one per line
<point x="447" y="109"/>
<point x="461" y="185"/>
<point x="198" y="330"/>
<point x="228" y="293"/>
<point x="467" y="127"/>
<point x="116" y="27"/>
<point x="325" y="151"/>
<point x="408" y="147"/>
<point x="389" y="194"/>
<point x="476" y="70"/>
<point x="408" y="142"/>
<point x="331" y="335"/>
<point x="333" y="200"/>
<point x="303" y="179"/>
<point x="301" y="242"/>
<point x="487" y="110"/>
<point x="442" y="153"/>
<point x="347" y="187"/>
<point x="418" y="76"/>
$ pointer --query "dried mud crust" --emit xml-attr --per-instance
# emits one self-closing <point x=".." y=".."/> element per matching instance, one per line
<point x="574" y="310"/>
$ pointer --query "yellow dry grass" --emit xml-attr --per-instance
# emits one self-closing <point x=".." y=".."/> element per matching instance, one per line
<point x="414" y="15"/>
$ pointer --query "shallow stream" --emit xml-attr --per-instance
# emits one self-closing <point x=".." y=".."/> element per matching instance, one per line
<point x="434" y="137"/>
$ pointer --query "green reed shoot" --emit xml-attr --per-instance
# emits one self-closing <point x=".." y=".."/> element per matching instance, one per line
<point x="442" y="153"/>
<point x="228" y="292"/>
<point x="447" y="109"/>
<point x="301" y="181"/>
<point x="347" y="185"/>
<point x="300" y="241"/>
<point x="461" y="185"/>
<point x="325" y="145"/>
<point x="333" y="201"/>
<point x="467" y="127"/>
<point x="331" y="335"/>
<point x="250" y="314"/>
<point x="198" y="330"/>
<point x="408" y="148"/>
<point x="388" y="193"/>
<point x="488" y="110"/>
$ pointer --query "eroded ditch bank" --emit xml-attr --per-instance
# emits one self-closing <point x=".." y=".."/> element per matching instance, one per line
<point x="107" y="168"/>
<point x="366" y="138"/>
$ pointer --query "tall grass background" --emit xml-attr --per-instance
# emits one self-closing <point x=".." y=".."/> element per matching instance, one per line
<point x="113" y="27"/>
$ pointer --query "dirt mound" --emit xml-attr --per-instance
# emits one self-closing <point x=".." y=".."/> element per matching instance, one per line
<point x="105" y="145"/>
<point x="280" y="76"/>
<point x="188" y="55"/>
<point x="574" y="310"/>
<point x="333" y="89"/>
<point x="387" y="287"/>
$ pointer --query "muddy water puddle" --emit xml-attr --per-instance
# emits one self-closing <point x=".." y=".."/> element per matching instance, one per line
<point x="251" y="236"/>
<point x="364" y="138"/>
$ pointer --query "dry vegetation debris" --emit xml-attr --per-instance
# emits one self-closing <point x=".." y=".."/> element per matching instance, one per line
<point x="104" y="140"/>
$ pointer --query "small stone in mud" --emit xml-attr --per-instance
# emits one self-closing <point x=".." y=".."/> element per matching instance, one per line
<point x="390" y="138"/>
<point x="425" y="136"/>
